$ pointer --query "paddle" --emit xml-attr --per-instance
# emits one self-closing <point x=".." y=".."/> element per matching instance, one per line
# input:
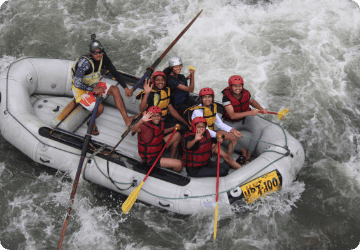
<point x="280" y="114"/>
<point x="150" y="69"/>
<point x="127" y="131"/>
<point x="77" y="176"/>
<point x="217" y="192"/>
<point x="135" y="193"/>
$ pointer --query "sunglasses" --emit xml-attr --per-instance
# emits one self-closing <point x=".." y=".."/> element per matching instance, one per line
<point x="99" y="52"/>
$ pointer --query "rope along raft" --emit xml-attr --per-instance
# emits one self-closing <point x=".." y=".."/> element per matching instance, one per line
<point x="7" y="111"/>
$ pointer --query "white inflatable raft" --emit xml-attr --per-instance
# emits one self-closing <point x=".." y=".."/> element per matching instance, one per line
<point x="35" y="91"/>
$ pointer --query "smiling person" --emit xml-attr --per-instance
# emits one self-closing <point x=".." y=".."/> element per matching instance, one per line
<point x="86" y="82"/>
<point x="155" y="93"/>
<point x="208" y="110"/>
<point x="237" y="112"/>
<point x="151" y="140"/>
<point x="197" y="149"/>
<point x="178" y="84"/>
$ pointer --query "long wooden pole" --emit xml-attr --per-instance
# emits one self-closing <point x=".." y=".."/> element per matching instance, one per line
<point x="77" y="176"/>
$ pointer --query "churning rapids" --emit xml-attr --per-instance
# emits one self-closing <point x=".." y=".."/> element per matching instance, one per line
<point x="297" y="54"/>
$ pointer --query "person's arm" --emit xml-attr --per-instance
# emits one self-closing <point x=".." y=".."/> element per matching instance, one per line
<point x="191" y="76"/>
<point x="108" y="64"/>
<point x="221" y="125"/>
<point x="230" y="110"/>
<point x="146" y="117"/>
<point x="168" y="130"/>
<point x="191" y="143"/>
<point x="82" y="66"/>
<point x="147" y="87"/>
<point x="176" y="115"/>
<point x="256" y="105"/>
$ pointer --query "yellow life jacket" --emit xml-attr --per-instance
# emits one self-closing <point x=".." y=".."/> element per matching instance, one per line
<point x="91" y="79"/>
<point x="209" y="114"/>
<point x="161" y="99"/>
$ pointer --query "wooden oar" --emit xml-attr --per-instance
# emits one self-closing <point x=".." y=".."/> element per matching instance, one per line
<point x="77" y="176"/>
<point x="135" y="193"/>
<point x="150" y="70"/>
<point x="217" y="192"/>
<point x="280" y="114"/>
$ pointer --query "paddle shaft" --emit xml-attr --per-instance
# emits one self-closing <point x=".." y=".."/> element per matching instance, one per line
<point x="150" y="70"/>
<point x="218" y="173"/>
<point x="77" y="176"/>
<point x="158" y="157"/>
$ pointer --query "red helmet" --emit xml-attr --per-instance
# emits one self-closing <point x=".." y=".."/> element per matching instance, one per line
<point x="158" y="73"/>
<point x="235" y="79"/>
<point x="206" y="91"/>
<point x="154" y="109"/>
<point x="195" y="121"/>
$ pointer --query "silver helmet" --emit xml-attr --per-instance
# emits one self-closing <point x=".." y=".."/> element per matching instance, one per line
<point x="94" y="44"/>
<point x="174" y="61"/>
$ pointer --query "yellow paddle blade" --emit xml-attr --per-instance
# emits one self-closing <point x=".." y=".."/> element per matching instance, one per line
<point x="126" y="206"/>
<point x="215" y="221"/>
<point x="282" y="113"/>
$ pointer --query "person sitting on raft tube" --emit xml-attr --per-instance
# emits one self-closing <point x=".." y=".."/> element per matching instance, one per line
<point x="196" y="147"/>
<point x="86" y="82"/>
<point x="237" y="112"/>
<point x="178" y="84"/>
<point x="156" y="94"/>
<point x="208" y="110"/>
<point x="151" y="140"/>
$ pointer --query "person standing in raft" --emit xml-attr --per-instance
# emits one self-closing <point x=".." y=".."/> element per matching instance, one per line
<point x="157" y="94"/>
<point x="151" y="140"/>
<point x="86" y="82"/>
<point x="208" y="110"/>
<point x="179" y="86"/>
<point x="196" y="147"/>
<point x="237" y="112"/>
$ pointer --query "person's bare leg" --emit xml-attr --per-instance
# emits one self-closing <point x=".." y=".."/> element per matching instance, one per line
<point x="232" y="144"/>
<point x="228" y="159"/>
<point x="174" y="143"/>
<point x="119" y="103"/>
<point x="171" y="163"/>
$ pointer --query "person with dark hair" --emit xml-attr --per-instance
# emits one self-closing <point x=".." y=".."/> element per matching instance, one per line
<point x="197" y="150"/>
<point x="156" y="93"/>
<point x="151" y="140"/>
<point x="237" y="112"/>
<point x="86" y="82"/>
<point x="178" y="84"/>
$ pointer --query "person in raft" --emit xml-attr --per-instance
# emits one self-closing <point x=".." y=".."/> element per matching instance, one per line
<point x="86" y="82"/>
<point x="197" y="149"/>
<point x="157" y="94"/>
<point x="178" y="84"/>
<point x="151" y="140"/>
<point x="208" y="110"/>
<point x="237" y="112"/>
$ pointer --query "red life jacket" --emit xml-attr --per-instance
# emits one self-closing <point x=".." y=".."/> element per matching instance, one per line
<point x="199" y="157"/>
<point x="239" y="106"/>
<point x="149" y="150"/>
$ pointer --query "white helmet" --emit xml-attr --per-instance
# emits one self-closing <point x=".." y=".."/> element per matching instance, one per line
<point x="174" y="61"/>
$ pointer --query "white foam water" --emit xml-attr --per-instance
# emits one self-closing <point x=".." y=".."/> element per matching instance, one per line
<point x="299" y="54"/>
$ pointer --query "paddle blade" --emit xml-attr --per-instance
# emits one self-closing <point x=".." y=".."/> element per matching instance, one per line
<point x="282" y="113"/>
<point x="131" y="199"/>
<point x="216" y="221"/>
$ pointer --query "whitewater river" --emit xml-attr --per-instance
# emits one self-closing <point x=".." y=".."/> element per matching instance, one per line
<point x="297" y="54"/>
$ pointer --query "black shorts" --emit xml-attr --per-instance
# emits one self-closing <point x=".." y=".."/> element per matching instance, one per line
<point x="170" y="121"/>
<point x="209" y="170"/>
